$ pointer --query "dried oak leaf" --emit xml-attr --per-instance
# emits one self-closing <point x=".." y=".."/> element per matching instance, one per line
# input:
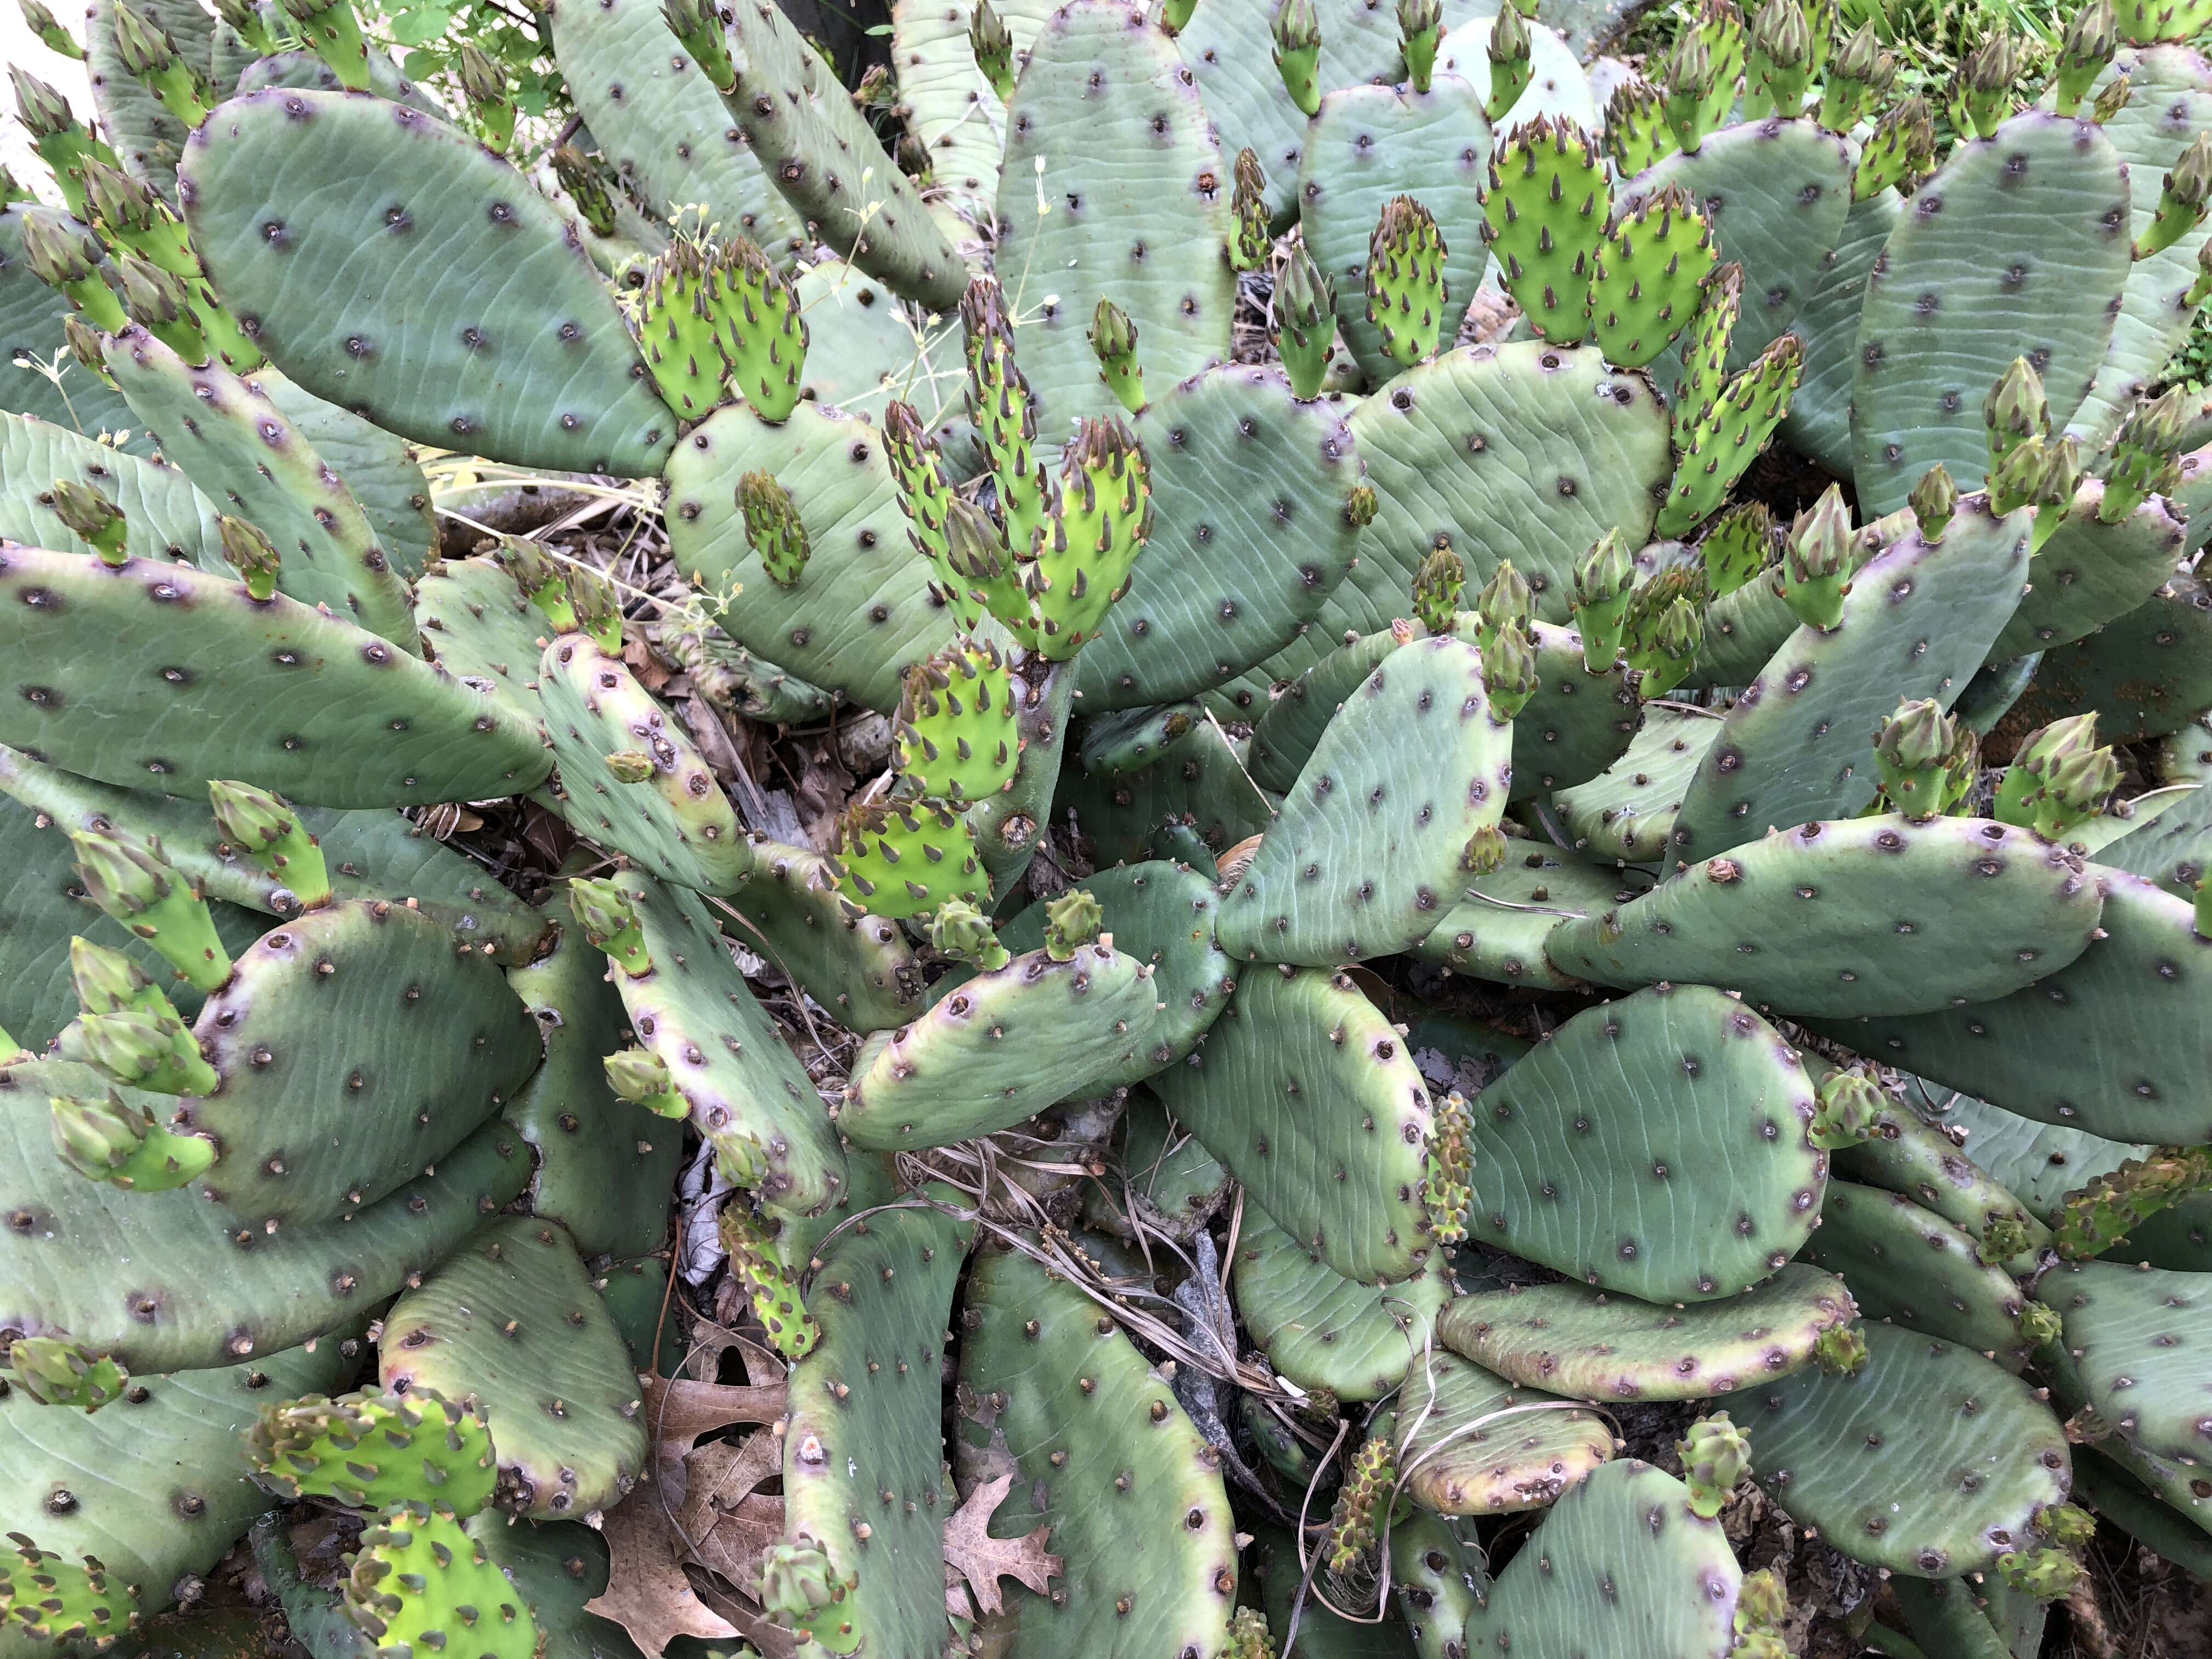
<point x="982" y="1560"/>
<point x="648" y="1594"/>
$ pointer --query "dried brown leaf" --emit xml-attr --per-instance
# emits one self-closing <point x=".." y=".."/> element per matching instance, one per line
<point x="648" y="1594"/>
<point x="982" y="1560"/>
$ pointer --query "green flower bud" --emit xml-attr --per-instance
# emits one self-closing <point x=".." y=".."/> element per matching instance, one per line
<point x="642" y="1077"/>
<point x="91" y="517"/>
<point x="1715" y="1456"/>
<point x="1934" y="500"/>
<point x="261" y="826"/>
<point x="1298" y="52"/>
<point x="132" y="881"/>
<point x="108" y="1141"/>
<point x="56" y="1371"/>
<point x="1071" y="921"/>
<point x="1438" y="586"/>
<point x="252" y="554"/>
<point x="603" y="910"/>
<point x="964" y="933"/>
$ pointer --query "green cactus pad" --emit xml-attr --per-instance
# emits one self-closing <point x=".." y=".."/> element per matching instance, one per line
<point x="1909" y="1266"/>
<point x="1621" y="1182"/>
<point x="606" y="1167"/>
<point x="76" y="1605"/>
<point x="1928" y="1460"/>
<point x="1776" y="194"/>
<point x="959" y="121"/>
<point x="1369" y="847"/>
<point x="415" y="335"/>
<point x="311" y="707"/>
<point x="166" y="513"/>
<point x="905" y="858"/>
<point x="1628" y="812"/>
<point x="1593" y="1345"/>
<point x="1319" y="1329"/>
<point x="511" y="1324"/>
<point x="146" y="137"/>
<point x="1105" y="113"/>
<point x="304" y="71"/>
<point x="1621" y="1569"/>
<point x="1546" y="202"/>
<point x="1121" y="744"/>
<point x="1877" y="915"/>
<point x="2170" y="847"/>
<point x="155" y="1485"/>
<point x="370" y="1450"/>
<point x="860" y="967"/>
<point x="476" y="625"/>
<point x="1520" y="1461"/>
<point x="419" y="1581"/>
<point x="1290" y="1039"/>
<point x="1193" y="620"/>
<point x="2090" y="573"/>
<point x="661" y="124"/>
<point x="379" y="467"/>
<point x="864" y="1477"/>
<point x="204" y="1290"/>
<point x="677" y="823"/>
<point x="2147" y="674"/>
<point x="231" y="440"/>
<point x="1002" y="1046"/>
<point x="2105" y="1044"/>
<point x="861" y="612"/>
<point x="2038" y="266"/>
<point x="1201" y="787"/>
<point x="1818" y="421"/>
<point x="1908" y="1154"/>
<point x="31" y="316"/>
<point x="1052" y="1393"/>
<point x="1798" y="745"/>
<point x="1369" y="144"/>
<point x="1161" y="913"/>
<point x="1499" y="929"/>
<point x="2128" y="1333"/>
<point x="359" y="1015"/>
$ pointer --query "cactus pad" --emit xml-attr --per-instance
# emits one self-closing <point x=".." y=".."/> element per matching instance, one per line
<point x="1319" y="1329"/>
<point x="78" y="1606"/>
<point x="367" y="1450"/>
<point x="1628" y="811"/>
<point x="2127" y="1333"/>
<point x="164" y="509"/>
<point x="1454" y="1464"/>
<point x="2143" y="673"/>
<point x="420" y="1582"/>
<point x="861" y="966"/>
<point x="1498" y="929"/>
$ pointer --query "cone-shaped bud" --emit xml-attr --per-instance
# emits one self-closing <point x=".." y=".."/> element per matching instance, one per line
<point x="1511" y="65"/>
<point x="1665" y="654"/>
<point x="642" y="1077"/>
<point x="106" y="1141"/>
<point x="794" y="1581"/>
<point x="48" y="28"/>
<point x="2091" y="38"/>
<point x="1298" y="52"/>
<point x="1305" y="322"/>
<point x="1360" y="506"/>
<point x="1780" y="66"/>
<point x="57" y="1371"/>
<point x="961" y="933"/>
<point x="1604" y="578"/>
<point x="126" y="210"/>
<point x="998" y="399"/>
<point x="630" y="765"/>
<point x="271" y="834"/>
<point x="1485" y="851"/>
<point x="69" y="260"/>
<point x="1451" y="1161"/>
<point x="246" y="22"/>
<point x="603" y="910"/>
<point x="2048" y="1575"/>
<point x="2097" y="1219"/>
<point x="2145" y="459"/>
<point x="11" y="190"/>
<point x="1963" y="769"/>
<point x="1114" y="342"/>
<point x="1407" y="293"/>
<point x="994" y="47"/>
<point x="1175" y="15"/>
<point x="975" y="556"/>
<point x="1816" y="568"/>
<point x="1715" y="1455"/>
<point x="1071" y="921"/>
<point x="2004" y="1236"/>
<point x="86" y="344"/>
<point x="1636" y="135"/>
<point x="1846" y="1109"/>
<point x="148" y="53"/>
<point x="1840" y="1350"/>
<point x="1437" y="586"/>
<point x="146" y="1052"/>
<point x="1544" y="214"/>
<point x="1739" y="545"/>
<point x="131" y="881"/>
<point x="954" y="738"/>
<point x="105" y="981"/>
<point x="1648" y="275"/>
<point x="163" y="303"/>
<point x="483" y="83"/>
<point x="2015" y="480"/>
<point x="2074" y="792"/>
<point x="1250" y="240"/>
<point x="905" y="859"/>
<point x="1857" y="78"/>
<point x="1900" y="148"/>
<point x="542" y="579"/>
<point x="762" y="337"/>
<point x="1086" y="559"/>
<point x="2032" y="795"/>
<point x="2057" y="479"/>
<point x="91" y="517"/>
<point x="587" y="189"/>
<point x="2015" y="410"/>
<point x="1934" y="502"/>
<point x="1420" y="25"/>
<point x="772" y="527"/>
<point x="1509" y="671"/>
<point x="1986" y="82"/>
<point x="926" y="498"/>
<point x="598" y="606"/>
<point x="1363" y="1504"/>
<point x="1506" y="602"/>
<point x="248" y="552"/>
<point x="2181" y="201"/>
<point x="44" y="112"/>
<point x="2112" y="100"/>
<point x="2069" y="1526"/>
<point x="333" y="34"/>
<point x="698" y="25"/>
<point x="1688" y="81"/>
<point x="1913" y="754"/>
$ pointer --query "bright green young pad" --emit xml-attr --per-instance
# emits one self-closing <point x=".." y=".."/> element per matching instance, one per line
<point x="1053" y="1393"/>
<point x="156" y="1487"/>
<point x="31" y="316"/>
<point x="558" y="1566"/>
<point x="1001" y="1047"/>
<point x="1369" y="848"/>
<point x="677" y="823"/>
<point x="1498" y="929"/>
<point x="167" y="514"/>
<point x="230" y="439"/>
<point x="2111" y="1043"/>
<point x="2090" y="572"/>
<point x="1628" y="811"/>
<point x="1621" y="1569"/>
<point x="511" y="1324"/>
<point x="226" y="686"/>
<point x="1318" y="1327"/>
<point x="1346" y="1182"/>
<point x="2021" y="240"/>
<point x="368" y="1449"/>
<point x="662" y="124"/>
<point x="1162" y="913"/>
<point x="1593" y="1345"/>
<point x="356" y="1049"/>
<point x="1928" y="1460"/>
<point x="1909" y="1266"/>
<point x="419" y="1581"/>
<point x="2131" y="1332"/>
<point x="1658" y="1144"/>
<point x="1227" y="577"/>
<point x="1776" y="194"/>
<point x="861" y="611"/>
<point x="1818" y="421"/>
<point x="204" y="1289"/>
<point x="1521" y="1462"/>
<point x="1875" y="916"/>
<point x="864" y="1475"/>
<point x="379" y="467"/>
<point x="2147" y="674"/>
<point x="1105" y="127"/>
<point x="605" y="1166"/>
<point x="1369" y="144"/>
<point x="1798" y="745"/>
<point x="425" y="284"/>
